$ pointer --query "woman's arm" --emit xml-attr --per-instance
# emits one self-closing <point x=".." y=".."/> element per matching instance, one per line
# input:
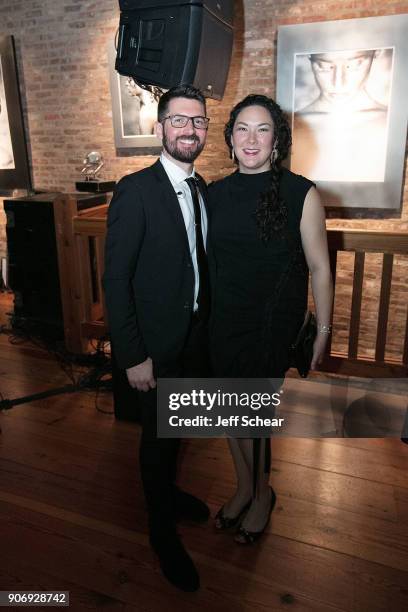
<point x="314" y="241"/>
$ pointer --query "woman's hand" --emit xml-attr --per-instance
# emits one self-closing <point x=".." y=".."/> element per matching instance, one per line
<point x="319" y="348"/>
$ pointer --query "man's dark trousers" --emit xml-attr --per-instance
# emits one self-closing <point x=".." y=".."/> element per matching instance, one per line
<point x="158" y="456"/>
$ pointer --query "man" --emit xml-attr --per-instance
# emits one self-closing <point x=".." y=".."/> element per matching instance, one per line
<point x="156" y="286"/>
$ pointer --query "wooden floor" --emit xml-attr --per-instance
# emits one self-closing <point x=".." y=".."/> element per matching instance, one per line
<point x="72" y="514"/>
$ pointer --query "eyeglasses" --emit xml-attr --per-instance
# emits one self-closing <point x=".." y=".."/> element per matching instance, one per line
<point x="180" y="121"/>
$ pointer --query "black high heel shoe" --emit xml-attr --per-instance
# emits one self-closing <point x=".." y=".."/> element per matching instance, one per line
<point x="250" y="537"/>
<point x="225" y="522"/>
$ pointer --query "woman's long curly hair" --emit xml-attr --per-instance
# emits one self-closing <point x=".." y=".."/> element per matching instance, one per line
<point x="271" y="212"/>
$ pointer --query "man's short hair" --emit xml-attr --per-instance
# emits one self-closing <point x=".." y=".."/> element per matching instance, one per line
<point x="180" y="91"/>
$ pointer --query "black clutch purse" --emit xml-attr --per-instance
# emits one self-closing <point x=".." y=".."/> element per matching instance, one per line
<point x="302" y="348"/>
<point x="301" y="351"/>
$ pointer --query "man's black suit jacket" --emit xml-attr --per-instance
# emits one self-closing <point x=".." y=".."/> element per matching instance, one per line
<point x="149" y="275"/>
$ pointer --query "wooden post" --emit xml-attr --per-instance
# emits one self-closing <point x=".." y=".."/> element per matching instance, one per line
<point x="65" y="209"/>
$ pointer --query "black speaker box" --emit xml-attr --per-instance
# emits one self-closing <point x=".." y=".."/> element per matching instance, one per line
<point x="33" y="273"/>
<point x="170" y="42"/>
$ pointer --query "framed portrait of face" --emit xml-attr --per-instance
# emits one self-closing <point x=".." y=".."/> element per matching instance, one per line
<point x="14" y="167"/>
<point x="344" y="87"/>
<point x="134" y="110"/>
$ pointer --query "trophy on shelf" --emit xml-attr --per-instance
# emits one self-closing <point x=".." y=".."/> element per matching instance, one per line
<point x="92" y="165"/>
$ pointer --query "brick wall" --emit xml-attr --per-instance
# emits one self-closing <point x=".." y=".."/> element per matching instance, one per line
<point x="62" y="63"/>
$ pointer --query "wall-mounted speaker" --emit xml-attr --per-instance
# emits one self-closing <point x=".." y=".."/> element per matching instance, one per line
<point x="172" y="42"/>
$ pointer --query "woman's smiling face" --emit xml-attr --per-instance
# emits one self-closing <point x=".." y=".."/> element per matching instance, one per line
<point x="252" y="139"/>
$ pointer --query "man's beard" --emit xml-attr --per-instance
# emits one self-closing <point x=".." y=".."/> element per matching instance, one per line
<point x="186" y="156"/>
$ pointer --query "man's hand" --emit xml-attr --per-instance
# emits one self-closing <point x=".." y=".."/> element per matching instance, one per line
<point x="140" y="376"/>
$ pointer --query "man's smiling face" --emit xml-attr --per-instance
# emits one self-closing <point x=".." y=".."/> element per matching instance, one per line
<point x="183" y="144"/>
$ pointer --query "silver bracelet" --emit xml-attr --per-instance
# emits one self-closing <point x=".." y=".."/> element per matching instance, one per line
<point x="324" y="329"/>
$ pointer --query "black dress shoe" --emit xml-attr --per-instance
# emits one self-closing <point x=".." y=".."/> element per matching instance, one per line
<point x="186" y="506"/>
<point x="175" y="562"/>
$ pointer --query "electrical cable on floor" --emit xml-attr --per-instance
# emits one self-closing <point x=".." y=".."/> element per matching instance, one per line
<point x="94" y="379"/>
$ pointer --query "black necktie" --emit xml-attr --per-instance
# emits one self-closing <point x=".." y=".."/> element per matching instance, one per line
<point x="203" y="299"/>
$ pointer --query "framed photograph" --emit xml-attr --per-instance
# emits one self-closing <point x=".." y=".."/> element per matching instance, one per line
<point x="14" y="167"/>
<point x="344" y="85"/>
<point x="134" y="110"/>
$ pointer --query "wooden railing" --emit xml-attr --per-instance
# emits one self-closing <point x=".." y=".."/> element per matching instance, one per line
<point x="84" y="313"/>
<point x="361" y="242"/>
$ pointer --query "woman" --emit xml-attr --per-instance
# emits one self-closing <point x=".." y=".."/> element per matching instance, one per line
<point x="268" y="231"/>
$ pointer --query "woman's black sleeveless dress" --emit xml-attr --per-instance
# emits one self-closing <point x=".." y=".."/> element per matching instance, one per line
<point x="259" y="291"/>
